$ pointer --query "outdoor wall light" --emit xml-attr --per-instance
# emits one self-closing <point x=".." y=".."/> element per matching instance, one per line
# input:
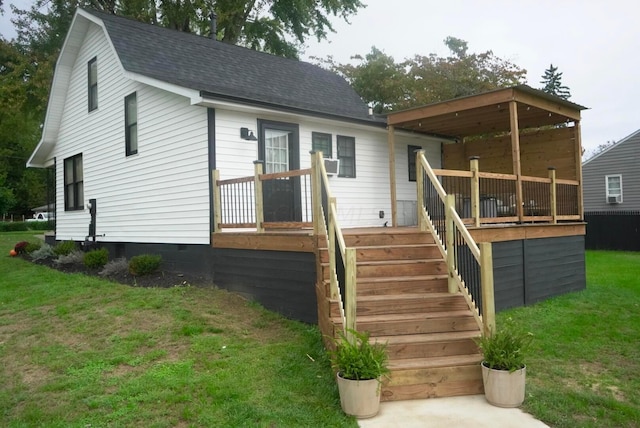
<point x="245" y="134"/>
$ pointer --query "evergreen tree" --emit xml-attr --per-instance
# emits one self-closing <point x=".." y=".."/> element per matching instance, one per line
<point x="552" y="81"/>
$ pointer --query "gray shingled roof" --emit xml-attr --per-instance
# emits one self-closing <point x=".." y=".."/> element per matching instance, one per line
<point x="229" y="71"/>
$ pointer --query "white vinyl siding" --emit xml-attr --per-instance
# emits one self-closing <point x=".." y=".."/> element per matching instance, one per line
<point x="159" y="196"/>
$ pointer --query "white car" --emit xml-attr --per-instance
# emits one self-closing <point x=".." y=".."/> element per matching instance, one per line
<point x="43" y="216"/>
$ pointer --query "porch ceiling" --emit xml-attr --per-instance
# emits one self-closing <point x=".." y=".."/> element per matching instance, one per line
<point x="487" y="113"/>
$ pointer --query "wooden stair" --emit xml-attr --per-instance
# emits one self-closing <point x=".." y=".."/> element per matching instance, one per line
<point x="402" y="299"/>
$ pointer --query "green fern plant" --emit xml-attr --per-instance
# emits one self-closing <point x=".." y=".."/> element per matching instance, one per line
<point x="358" y="358"/>
<point x="506" y="348"/>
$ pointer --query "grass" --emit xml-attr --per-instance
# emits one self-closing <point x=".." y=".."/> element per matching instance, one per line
<point x="77" y="351"/>
<point x="584" y="367"/>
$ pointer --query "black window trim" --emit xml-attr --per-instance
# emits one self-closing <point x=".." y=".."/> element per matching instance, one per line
<point x="78" y="203"/>
<point x="411" y="153"/>
<point x="128" y="126"/>
<point x="314" y="134"/>
<point x="351" y="140"/>
<point x="92" y="102"/>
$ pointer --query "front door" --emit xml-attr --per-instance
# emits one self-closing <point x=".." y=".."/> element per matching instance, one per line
<point x="279" y="148"/>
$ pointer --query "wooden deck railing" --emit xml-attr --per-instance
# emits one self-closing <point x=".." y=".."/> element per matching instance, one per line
<point x="485" y="197"/>
<point x="342" y="259"/>
<point x="240" y="202"/>
<point x="470" y="267"/>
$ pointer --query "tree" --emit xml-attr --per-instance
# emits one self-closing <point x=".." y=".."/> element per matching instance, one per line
<point x="387" y="85"/>
<point x="599" y="149"/>
<point x="377" y="78"/>
<point x="552" y="81"/>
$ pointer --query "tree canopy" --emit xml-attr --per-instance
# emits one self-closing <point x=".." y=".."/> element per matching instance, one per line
<point x="389" y="85"/>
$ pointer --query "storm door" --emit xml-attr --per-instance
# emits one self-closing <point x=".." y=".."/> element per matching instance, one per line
<point x="279" y="148"/>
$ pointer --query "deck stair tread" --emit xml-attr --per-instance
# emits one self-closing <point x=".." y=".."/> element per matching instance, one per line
<point x="426" y="337"/>
<point x="407" y="296"/>
<point x="448" y="361"/>
<point x="399" y="278"/>
<point x="398" y="262"/>
<point x="412" y="316"/>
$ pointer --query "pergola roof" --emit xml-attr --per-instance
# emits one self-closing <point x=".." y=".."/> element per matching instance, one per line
<point x="487" y="113"/>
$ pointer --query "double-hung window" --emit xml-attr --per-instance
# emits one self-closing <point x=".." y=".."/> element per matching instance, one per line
<point x="131" y="124"/>
<point x="347" y="156"/>
<point x="412" y="161"/>
<point x="92" y="78"/>
<point x="614" y="188"/>
<point x="321" y="142"/>
<point x="73" y="183"/>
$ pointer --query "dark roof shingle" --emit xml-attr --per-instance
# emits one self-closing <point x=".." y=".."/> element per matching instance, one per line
<point x="229" y="71"/>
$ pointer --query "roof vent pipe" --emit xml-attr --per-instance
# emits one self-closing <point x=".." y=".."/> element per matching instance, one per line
<point x="214" y="25"/>
<point x="370" y="111"/>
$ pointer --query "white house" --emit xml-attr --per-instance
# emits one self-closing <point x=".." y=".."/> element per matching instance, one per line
<point x="139" y="115"/>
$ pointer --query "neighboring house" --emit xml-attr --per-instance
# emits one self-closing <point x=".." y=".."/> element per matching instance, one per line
<point x="612" y="196"/>
<point x="139" y="115"/>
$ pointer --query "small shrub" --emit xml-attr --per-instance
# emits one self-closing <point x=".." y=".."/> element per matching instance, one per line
<point x="115" y="267"/>
<point x="43" y="253"/>
<point x="64" y="248"/>
<point x="13" y="226"/>
<point x="95" y="259"/>
<point x="75" y="257"/>
<point x="32" y="246"/>
<point x="144" y="264"/>
<point x="20" y="247"/>
<point x="506" y="348"/>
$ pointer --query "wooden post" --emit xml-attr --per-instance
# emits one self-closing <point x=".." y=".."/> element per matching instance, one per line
<point x="333" y="247"/>
<point x="449" y="205"/>
<point x="486" y="283"/>
<point x="578" y="157"/>
<point x="257" y="166"/>
<point x="515" y="156"/>
<point x="350" y="289"/>
<point x="420" y="190"/>
<point x="475" y="191"/>
<point x="554" y="200"/>
<point x="217" y="202"/>
<point x="392" y="175"/>
<point x="316" y="192"/>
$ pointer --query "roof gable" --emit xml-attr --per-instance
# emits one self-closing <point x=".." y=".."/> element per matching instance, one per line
<point x="633" y="138"/>
<point x="219" y="69"/>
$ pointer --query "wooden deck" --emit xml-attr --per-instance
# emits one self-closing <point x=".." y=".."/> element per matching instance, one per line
<point x="302" y="240"/>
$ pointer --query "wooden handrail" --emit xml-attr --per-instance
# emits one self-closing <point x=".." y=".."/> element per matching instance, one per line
<point x="235" y="180"/>
<point x="464" y="232"/>
<point x="285" y="174"/>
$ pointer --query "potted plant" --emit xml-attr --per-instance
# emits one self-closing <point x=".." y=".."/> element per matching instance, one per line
<point x="360" y="366"/>
<point x="503" y="366"/>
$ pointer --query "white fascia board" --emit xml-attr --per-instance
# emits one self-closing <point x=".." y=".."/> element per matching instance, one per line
<point x="59" y="88"/>
<point x="625" y="139"/>
<point x="192" y="94"/>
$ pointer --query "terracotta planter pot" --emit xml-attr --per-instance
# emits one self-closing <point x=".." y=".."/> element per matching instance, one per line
<point x="504" y="389"/>
<point x="359" y="398"/>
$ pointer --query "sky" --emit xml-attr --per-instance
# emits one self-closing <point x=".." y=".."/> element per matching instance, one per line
<point x="594" y="43"/>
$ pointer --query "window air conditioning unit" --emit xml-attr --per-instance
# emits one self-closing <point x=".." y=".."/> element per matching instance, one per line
<point x="614" y="199"/>
<point x="332" y="166"/>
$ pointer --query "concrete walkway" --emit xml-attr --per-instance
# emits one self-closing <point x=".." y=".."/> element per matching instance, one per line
<point x="467" y="411"/>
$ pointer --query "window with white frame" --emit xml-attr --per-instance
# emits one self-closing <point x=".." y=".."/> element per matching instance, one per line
<point x="276" y="149"/>
<point x="614" y="188"/>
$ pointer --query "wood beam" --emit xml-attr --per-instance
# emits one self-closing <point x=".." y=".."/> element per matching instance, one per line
<point x="451" y="106"/>
<point x="547" y="105"/>
<point x="392" y="175"/>
<point x="578" y="157"/>
<point x="515" y="155"/>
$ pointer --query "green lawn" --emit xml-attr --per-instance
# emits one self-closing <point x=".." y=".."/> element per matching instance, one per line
<point x="584" y="368"/>
<point x="76" y="351"/>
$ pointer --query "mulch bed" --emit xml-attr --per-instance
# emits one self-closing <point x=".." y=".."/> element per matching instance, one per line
<point x="160" y="279"/>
